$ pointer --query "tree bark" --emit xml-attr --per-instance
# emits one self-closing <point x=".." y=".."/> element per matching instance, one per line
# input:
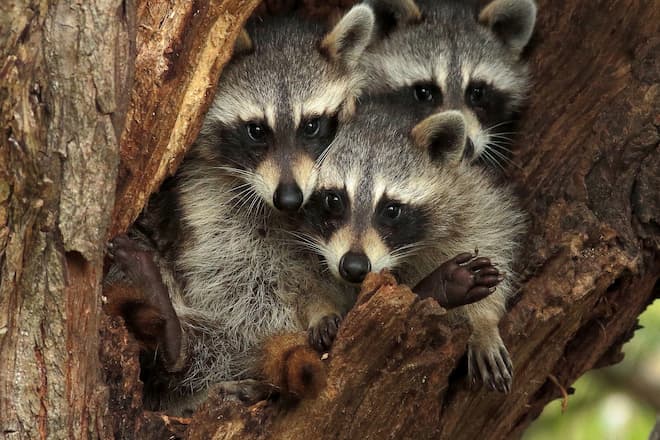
<point x="182" y="47"/>
<point x="587" y="171"/>
<point x="66" y="74"/>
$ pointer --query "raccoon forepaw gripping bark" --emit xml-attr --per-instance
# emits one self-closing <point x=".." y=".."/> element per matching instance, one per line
<point x="462" y="280"/>
<point x="322" y="334"/>
<point x="491" y="365"/>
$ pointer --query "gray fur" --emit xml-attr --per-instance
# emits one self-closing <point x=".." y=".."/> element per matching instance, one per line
<point x="235" y="268"/>
<point x="375" y="155"/>
<point x="451" y="47"/>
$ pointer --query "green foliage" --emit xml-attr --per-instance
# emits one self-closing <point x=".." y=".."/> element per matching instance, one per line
<point x="602" y="408"/>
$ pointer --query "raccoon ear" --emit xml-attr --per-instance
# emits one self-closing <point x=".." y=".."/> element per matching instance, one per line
<point x="393" y="14"/>
<point x="443" y="135"/>
<point x="243" y="44"/>
<point x="350" y="37"/>
<point x="511" y="20"/>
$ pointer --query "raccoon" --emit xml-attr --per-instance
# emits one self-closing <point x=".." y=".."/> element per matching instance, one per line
<point x="389" y="197"/>
<point x="280" y="101"/>
<point x="233" y="267"/>
<point x="452" y="56"/>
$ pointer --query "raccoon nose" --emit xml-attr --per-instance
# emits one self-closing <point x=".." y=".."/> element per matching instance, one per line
<point x="353" y="267"/>
<point x="288" y="197"/>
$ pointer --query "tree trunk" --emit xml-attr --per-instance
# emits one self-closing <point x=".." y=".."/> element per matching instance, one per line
<point x="63" y="88"/>
<point x="67" y="72"/>
<point x="587" y="171"/>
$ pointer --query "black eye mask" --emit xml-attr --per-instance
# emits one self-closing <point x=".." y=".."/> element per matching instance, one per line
<point x="326" y="211"/>
<point x="399" y="224"/>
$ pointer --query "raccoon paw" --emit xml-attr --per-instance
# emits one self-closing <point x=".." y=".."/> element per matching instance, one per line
<point x="150" y="316"/>
<point x="137" y="263"/>
<point x="248" y="391"/>
<point x="323" y="333"/>
<point x="462" y="280"/>
<point x="492" y="366"/>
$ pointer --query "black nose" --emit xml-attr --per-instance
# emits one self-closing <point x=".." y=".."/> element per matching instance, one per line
<point x="353" y="267"/>
<point x="288" y="197"/>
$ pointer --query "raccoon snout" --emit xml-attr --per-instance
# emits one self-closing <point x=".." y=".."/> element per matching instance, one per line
<point x="354" y="267"/>
<point x="288" y="197"/>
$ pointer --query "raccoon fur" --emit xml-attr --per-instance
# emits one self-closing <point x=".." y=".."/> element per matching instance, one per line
<point x="389" y="197"/>
<point x="450" y="55"/>
<point x="234" y="268"/>
<point x="280" y="101"/>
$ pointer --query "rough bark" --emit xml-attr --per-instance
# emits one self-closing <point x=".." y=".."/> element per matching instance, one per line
<point x="181" y="48"/>
<point x="66" y="75"/>
<point x="63" y="76"/>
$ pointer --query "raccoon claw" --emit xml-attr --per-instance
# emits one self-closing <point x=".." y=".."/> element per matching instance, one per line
<point x="151" y="317"/>
<point x="462" y="280"/>
<point x="492" y="367"/>
<point x="323" y="333"/>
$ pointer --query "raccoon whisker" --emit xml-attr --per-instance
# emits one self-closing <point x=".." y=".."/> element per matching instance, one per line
<point x="491" y="159"/>
<point x="243" y="196"/>
<point x="495" y="151"/>
<point x="513" y="133"/>
<point x="309" y="242"/>
<point x="498" y="125"/>
<point x="242" y="190"/>
<point x="253" y="209"/>
<point x="323" y="155"/>
<point x="501" y="138"/>
<point x="498" y="146"/>
<point x="252" y="178"/>
<point x="248" y="202"/>
<point x="302" y="237"/>
<point x="239" y="202"/>
<point x="499" y="149"/>
<point x="235" y="172"/>
<point x="406" y="251"/>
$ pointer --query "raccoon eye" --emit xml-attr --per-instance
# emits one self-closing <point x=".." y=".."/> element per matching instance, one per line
<point x="476" y="96"/>
<point x="333" y="204"/>
<point x="256" y="132"/>
<point x="423" y="93"/>
<point x="391" y="212"/>
<point x="312" y="127"/>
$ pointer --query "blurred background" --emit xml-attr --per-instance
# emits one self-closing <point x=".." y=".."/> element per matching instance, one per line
<point x="620" y="402"/>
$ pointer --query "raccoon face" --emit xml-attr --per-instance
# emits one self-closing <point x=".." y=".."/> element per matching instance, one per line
<point x="456" y="59"/>
<point x="278" y="106"/>
<point x="375" y="205"/>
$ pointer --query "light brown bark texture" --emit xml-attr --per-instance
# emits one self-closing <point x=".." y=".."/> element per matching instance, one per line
<point x="66" y="75"/>
<point x="181" y="48"/>
<point x="63" y="72"/>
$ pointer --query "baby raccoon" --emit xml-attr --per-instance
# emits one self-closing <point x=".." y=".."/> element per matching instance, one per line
<point x="233" y="268"/>
<point x="387" y="198"/>
<point x="451" y="56"/>
<point x="279" y="102"/>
